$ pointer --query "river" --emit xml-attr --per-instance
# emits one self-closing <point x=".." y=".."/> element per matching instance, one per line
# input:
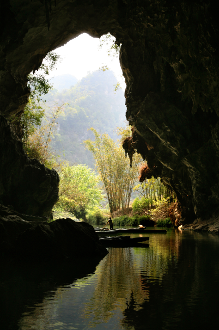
<point x="172" y="284"/>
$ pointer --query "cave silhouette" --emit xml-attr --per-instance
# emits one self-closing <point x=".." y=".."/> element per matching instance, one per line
<point x="169" y="58"/>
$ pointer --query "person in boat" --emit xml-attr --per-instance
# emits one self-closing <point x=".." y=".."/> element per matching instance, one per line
<point x="110" y="222"/>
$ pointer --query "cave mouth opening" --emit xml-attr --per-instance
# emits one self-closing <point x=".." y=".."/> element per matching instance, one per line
<point x="85" y="54"/>
<point x="177" y="138"/>
<point x="94" y="64"/>
<point x="88" y="68"/>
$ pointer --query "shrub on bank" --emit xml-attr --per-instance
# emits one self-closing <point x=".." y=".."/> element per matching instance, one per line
<point x="139" y="206"/>
<point x="164" y="223"/>
<point x="133" y="221"/>
<point x="96" y="218"/>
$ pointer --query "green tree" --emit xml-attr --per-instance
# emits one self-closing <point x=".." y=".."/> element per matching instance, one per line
<point x="114" y="170"/>
<point x="25" y="123"/>
<point x="79" y="190"/>
<point x="38" y="142"/>
<point x="38" y="81"/>
<point x="152" y="189"/>
<point x="33" y="127"/>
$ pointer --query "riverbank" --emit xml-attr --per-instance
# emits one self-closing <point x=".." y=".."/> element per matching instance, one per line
<point x="210" y="225"/>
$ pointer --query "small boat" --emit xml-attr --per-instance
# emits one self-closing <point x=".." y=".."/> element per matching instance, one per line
<point x="130" y="230"/>
<point x="123" y="241"/>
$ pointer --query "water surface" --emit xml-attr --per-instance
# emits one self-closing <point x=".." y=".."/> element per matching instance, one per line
<point x="173" y="284"/>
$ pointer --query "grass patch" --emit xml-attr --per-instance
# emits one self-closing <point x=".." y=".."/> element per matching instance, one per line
<point x="164" y="223"/>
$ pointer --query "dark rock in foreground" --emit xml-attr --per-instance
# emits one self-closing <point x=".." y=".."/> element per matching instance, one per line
<point x="63" y="239"/>
<point x="25" y="184"/>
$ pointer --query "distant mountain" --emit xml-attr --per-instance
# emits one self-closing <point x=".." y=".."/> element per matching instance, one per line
<point x="92" y="102"/>
<point x="64" y="81"/>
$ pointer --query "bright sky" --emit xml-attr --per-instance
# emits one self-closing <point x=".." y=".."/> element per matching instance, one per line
<point x="83" y="55"/>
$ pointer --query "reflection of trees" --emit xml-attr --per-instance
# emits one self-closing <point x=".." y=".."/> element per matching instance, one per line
<point x="127" y="280"/>
<point x="174" y="284"/>
<point x="154" y="263"/>
<point x="188" y="295"/>
<point x="122" y="278"/>
<point x="117" y="278"/>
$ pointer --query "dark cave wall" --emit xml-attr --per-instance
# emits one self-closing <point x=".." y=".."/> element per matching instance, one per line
<point x="171" y="66"/>
<point x="26" y="38"/>
<point x="25" y="184"/>
<point x="169" y="57"/>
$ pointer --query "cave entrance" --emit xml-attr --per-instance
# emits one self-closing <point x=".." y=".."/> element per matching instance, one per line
<point x="89" y="87"/>
<point x="85" y="54"/>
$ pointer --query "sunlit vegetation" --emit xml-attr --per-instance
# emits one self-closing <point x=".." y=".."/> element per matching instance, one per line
<point x="91" y="102"/>
<point x="37" y="142"/>
<point x="33" y="126"/>
<point x="45" y="126"/>
<point x="110" y="41"/>
<point x="135" y="221"/>
<point x="152" y="190"/>
<point x="79" y="190"/>
<point x="114" y="169"/>
<point x="164" y="223"/>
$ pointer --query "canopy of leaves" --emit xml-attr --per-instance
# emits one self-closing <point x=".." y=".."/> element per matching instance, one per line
<point x="114" y="169"/>
<point x="79" y="189"/>
<point x="38" y="81"/>
<point x="152" y="189"/>
<point x="25" y="123"/>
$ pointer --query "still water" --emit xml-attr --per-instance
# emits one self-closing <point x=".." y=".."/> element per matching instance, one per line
<point x="172" y="284"/>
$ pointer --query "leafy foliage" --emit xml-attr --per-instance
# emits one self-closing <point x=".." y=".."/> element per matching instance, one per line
<point x="133" y="221"/>
<point x="141" y="205"/>
<point x="114" y="169"/>
<point x="28" y="125"/>
<point x="164" y="223"/>
<point x="37" y="128"/>
<point x="152" y="189"/>
<point x="110" y="41"/>
<point x="78" y="190"/>
<point x="96" y="216"/>
<point x="38" y="141"/>
<point x="31" y="118"/>
<point x="38" y="81"/>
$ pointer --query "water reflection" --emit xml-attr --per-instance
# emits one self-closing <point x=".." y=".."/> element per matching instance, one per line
<point x="173" y="284"/>
<point x="31" y="293"/>
<point x="188" y="295"/>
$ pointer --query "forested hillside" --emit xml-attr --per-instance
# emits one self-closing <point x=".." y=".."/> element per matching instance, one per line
<point x="92" y="102"/>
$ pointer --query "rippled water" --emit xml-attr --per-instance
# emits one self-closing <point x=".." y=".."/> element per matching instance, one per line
<point x="173" y="284"/>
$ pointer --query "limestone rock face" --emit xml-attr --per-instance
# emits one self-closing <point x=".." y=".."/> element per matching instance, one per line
<point x="169" y="57"/>
<point x="63" y="239"/>
<point x="25" y="184"/>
